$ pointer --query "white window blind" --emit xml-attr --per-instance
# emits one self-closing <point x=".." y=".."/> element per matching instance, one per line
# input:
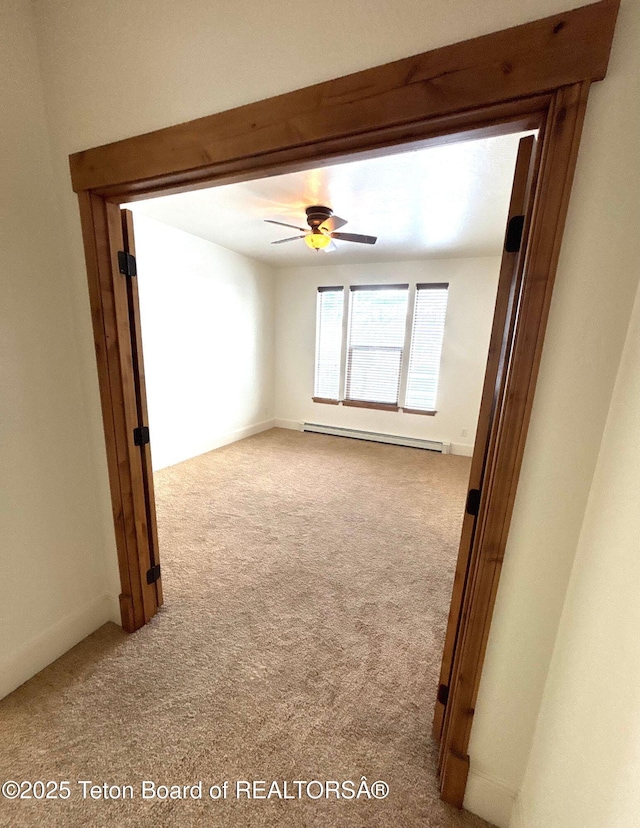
<point x="426" y="346"/>
<point x="376" y="342"/>
<point x="328" y="343"/>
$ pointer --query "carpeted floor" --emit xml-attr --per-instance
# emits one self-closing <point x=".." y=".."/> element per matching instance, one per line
<point x="306" y="580"/>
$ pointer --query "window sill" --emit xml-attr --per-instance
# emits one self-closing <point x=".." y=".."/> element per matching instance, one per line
<point x="376" y="406"/>
<point x="364" y="404"/>
<point x="418" y="411"/>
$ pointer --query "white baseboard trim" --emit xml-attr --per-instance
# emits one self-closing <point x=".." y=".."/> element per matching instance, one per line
<point x="490" y="799"/>
<point x="241" y="433"/>
<point x="113" y="603"/>
<point x="294" y="425"/>
<point x="462" y="449"/>
<point x="45" y="648"/>
<point x="219" y="441"/>
<point x="517" y="816"/>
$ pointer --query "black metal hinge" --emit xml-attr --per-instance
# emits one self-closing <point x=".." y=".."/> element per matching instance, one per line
<point x="443" y="694"/>
<point x="514" y="234"/>
<point x="473" y="501"/>
<point x="141" y="435"/>
<point x="127" y="263"/>
<point x="153" y="574"/>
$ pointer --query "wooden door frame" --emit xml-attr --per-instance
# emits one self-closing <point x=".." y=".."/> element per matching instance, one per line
<point x="536" y="75"/>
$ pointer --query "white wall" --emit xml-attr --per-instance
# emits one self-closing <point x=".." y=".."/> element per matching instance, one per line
<point x="208" y="340"/>
<point x="584" y="770"/>
<point x="117" y="68"/>
<point x="596" y="284"/>
<point x="472" y="292"/>
<point x="52" y="591"/>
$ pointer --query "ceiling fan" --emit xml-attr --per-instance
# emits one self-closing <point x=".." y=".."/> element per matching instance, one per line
<point x="323" y="226"/>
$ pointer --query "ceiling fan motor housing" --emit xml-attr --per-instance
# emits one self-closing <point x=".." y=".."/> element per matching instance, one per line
<point x="320" y="237"/>
<point x="316" y="215"/>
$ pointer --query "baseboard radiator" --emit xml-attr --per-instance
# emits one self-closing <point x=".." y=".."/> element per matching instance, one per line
<point x="374" y="436"/>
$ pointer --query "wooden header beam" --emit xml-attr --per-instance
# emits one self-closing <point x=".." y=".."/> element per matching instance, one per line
<point x="515" y="63"/>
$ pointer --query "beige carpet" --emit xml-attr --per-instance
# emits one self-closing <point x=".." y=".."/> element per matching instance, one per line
<point x="306" y="580"/>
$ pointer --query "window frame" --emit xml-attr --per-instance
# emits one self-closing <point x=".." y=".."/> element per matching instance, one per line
<point x="328" y="400"/>
<point x="354" y="401"/>
<point x="406" y="350"/>
<point x="417" y="288"/>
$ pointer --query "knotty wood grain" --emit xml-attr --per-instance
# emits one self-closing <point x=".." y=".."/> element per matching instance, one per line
<point x="514" y="63"/>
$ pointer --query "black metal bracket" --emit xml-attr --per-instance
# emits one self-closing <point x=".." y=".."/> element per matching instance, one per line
<point x="473" y="502"/>
<point x="127" y="263"/>
<point x="513" y="240"/>
<point x="153" y="574"/>
<point x="141" y="435"/>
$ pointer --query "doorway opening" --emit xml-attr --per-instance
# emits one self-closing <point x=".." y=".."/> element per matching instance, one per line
<point x="353" y="540"/>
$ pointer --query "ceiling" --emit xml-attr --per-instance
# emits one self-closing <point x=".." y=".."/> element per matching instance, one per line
<point x="440" y="202"/>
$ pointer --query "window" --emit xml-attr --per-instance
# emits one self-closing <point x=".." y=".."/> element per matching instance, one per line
<point x="377" y="324"/>
<point x="381" y="332"/>
<point x="328" y="343"/>
<point x="426" y="347"/>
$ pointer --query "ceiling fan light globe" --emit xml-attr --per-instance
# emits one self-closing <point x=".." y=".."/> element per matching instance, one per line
<point x="316" y="241"/>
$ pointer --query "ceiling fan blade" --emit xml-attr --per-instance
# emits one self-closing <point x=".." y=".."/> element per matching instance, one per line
<point x="355" y="237"/>
<point x="291" y="238"/>
<point x="333" y="223"/>
<point x="329" y="248"/>
<point x="282" y="224"/>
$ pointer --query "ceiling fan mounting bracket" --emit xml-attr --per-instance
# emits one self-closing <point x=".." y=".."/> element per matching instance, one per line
<point x="317" y="214"/>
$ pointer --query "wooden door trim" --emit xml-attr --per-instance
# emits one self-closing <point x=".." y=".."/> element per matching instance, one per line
<point x="144" y="451"/>
<point x="531" y="75"/>
<point x="511" y="271"/>
<point x="102" y="236"/>
<point x="559" y="148"/>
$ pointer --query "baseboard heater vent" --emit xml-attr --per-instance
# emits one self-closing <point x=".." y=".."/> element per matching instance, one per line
<point x="374" y="436"/>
